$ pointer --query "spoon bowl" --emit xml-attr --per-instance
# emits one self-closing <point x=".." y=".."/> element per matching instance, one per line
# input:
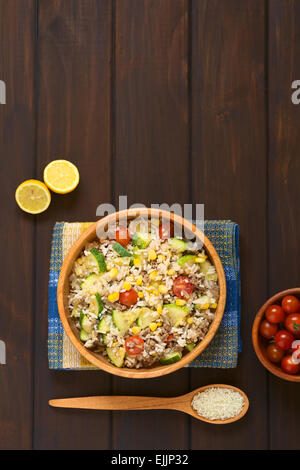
<point x="182" y="403"/>
<point x="187" y="404"/>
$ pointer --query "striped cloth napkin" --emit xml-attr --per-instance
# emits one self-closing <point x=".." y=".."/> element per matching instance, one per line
<point x="223" y="350"/>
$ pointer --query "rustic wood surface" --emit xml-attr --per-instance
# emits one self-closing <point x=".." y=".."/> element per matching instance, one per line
<point x="163" y="101"/>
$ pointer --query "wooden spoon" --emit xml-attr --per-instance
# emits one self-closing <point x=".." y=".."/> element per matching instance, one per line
<point x="181" y="403"/>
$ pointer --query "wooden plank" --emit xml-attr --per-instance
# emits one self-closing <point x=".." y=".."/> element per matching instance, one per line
<point x="284" y="166"/>
<point x="229" y="176"/>
<point x="151" y="165"/>
<point x="74" y="53"/>
<point x="17" y="122"/>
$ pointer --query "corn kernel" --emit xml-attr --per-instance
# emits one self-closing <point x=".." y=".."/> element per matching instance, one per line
<point x="137" y="262"/>
<point x="127" y="285"/>
<point x="171" y="272"/>
<point x="159" y="278"/>
<point x="163" y="289"/>
<point x="115" y="344"/>
<point x="113" y="297"/>
<point x="139" y="280"/>
<point x="159" y="323"/>
<point x="161" y="258"/>
<point x="153" y="275"/>
<point x="180" y="302"/>
<point x="151" y="255"/>
<point x="114" y="272"/>
<point x="141" y="295"/>
<point x="214" y="305"/>
<point x="200" y="258"/>
<point x="155" y="292"/>
<point x="79" y="261"/>
<point x="135" y="330"/>
<point x="190" y="320"/>
<point x="204" y="306"/>
<point x="153" y="326"/>
<point x="159" y="309"/>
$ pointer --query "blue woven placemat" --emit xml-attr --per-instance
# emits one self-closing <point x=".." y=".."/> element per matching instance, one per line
<point x="222" y="352"/>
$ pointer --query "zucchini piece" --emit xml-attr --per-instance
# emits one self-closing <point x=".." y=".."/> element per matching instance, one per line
<point x="178" y="245"/>
<point x="96" y="305"/>
<point x="116" y="355"/>
<point x="100" y="259"/>
<point x="146" y="316"/>
<point x="186" y="259"/>
<point x="124" y="320"/>
<point x="103" y="339"/>
<point x="176" y="313"/>
<point x="121" y="250"/>
<point x="171" y="358"/>
<point x="141" y="239"/>
<point x="204" y="267"/>
<point x="84" y="336"/>
<point x="89" y="284"/>
<point x="85" y="323"/>
<point x="190" y="346"/>
<point x="105" y="324"/>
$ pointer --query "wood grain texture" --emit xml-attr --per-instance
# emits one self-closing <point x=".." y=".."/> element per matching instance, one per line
<point x="17" y="123"/>
<point x="229" y="175"/>
<point x="284" y="193"/>
<point x="151" y="165"/>
<point x="164" y="101"/>
<point x="74" y="54"/>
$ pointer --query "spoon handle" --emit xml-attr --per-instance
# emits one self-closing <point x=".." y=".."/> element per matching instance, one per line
<point x="118" y="403"/>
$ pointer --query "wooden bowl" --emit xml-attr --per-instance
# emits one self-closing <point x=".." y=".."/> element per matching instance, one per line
<point x="63" y="290"/>
<point x="260" y="344"/>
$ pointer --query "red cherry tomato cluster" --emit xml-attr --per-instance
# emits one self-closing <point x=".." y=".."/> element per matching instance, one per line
<point x="281" y="326"/>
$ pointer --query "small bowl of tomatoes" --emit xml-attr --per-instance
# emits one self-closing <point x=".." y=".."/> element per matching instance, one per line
<point x="276" y="335"/>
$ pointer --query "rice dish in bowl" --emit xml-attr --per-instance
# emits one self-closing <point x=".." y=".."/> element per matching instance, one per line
<point x="142" y="298"/>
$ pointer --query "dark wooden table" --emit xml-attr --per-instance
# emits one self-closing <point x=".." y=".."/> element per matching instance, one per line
<point x="163" y="101"/>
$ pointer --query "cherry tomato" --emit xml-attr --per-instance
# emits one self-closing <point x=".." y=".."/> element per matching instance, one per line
<point x="166" y="230"/>
<point x="292" y="323"/>
<point x="267" y="329"/>
<point x="275" y="314"/>
<point x="289" y="365"/>
<point x="128" y="297"/>
<point x="169" y="338"/>
<point x="274" y="353"/>
<point x="182" y="287"/>
<point x="134" y="345"/>
<point x="122" y="236"/>
<point x="284" y="339"/>
<point x="290" y="304"/>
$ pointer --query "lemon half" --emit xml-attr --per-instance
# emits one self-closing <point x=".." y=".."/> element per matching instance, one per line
<point x="33" y="196"/>
<point x="61" y="176"/>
